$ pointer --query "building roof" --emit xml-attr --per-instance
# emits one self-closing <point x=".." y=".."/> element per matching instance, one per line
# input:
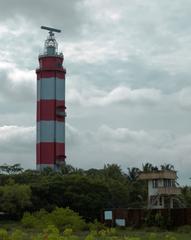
<point x="160" y="174"/>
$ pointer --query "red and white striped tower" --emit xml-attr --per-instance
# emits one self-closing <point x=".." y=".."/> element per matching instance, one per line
<point x="50" y="147"/>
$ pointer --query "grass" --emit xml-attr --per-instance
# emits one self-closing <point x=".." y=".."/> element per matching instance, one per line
<point x="117" y="234"/>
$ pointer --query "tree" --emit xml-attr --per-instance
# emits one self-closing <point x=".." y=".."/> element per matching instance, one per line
<point x="11" y="169"/>
<point x="168" y="167"/>
<point x="67" y="169"/>
<point x="15" y="198"/>
<point x="133" y="174"/>
<point x="147" y="167"/>
<point x="112" y="171"/>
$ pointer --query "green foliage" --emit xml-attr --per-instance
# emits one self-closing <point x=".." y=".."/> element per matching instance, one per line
<point x="184" y="229"/>
<point x="186" y="195"/>
<point x="132" y="238"/>
<point x="11" y="169"/>
<point x="90" y="237"/>
<point x="159" y="220"/>
<point x="60" y="218"/>
<point x="4" y="234"/>
<point x="170" y="237"/>
<point x="96" y="226"/>
<point x="152" y="236"/>
<point x="66" y="218"/>
<point x="17" y="235"/>
<point x="68" y="232"/>
<point x="51" y="233"/>
<point x="14" y="197"/>
<point x="29" y="220"/>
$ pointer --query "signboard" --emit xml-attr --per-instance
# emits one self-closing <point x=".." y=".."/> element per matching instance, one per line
<point x="120" y="222"/>
<point x="107" y="215"/>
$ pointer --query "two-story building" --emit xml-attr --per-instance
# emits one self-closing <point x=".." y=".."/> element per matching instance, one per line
<point x="162" y="189"/>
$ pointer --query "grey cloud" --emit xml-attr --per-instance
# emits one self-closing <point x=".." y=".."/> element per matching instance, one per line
<point x="17" y="137"/>
<point x="60" y="14"/>
<point x="122" y="94"/>
<point x="128" y="67"/>
<point x="16" y="84"/>
<point x="131" y="148"/>
<point x="17" y="145"/>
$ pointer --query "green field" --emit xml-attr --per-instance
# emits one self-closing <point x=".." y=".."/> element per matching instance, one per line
<point x="15" y="231"/>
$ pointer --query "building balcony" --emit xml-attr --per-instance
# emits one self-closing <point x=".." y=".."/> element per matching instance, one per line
<point x="169" y="191"/>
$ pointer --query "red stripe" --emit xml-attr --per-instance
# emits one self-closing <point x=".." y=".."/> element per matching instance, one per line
<point x="50" y="110"/>
<point x="49" y="153"/>
<point x="50" y="74"/>
<point x="50" y="61"/>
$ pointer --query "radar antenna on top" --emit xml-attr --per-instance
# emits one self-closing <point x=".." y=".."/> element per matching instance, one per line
<point x="50" y="46"/>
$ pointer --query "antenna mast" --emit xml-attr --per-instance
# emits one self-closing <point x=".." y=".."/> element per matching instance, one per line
<point x="51" y="45"/>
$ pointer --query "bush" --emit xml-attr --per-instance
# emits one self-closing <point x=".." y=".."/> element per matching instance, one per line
<point x="68" y="232"/>
<point x="184" y="229"/>
<point x="61" y="218"/>
<point x="29" y="221"/>
<point x="17" y="235"/>
<point x="152" y="236"/>
<point x="96" y="226"/>
<point x="170" y="237"/>
<point x="90" y="237"/>
<point x="3" y="234"/>
<point x="64" y="218"/>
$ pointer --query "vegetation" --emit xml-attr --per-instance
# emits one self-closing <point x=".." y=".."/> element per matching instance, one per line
<point x="53" y="233"/>
<point x="86" y="192"/>
<point x="57" y="205"/>
<point x="60" y="218"/>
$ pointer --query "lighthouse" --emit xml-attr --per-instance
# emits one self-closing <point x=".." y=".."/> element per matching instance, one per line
<point x="50" y="145"/>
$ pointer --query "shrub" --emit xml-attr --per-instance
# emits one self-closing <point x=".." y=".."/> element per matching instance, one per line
<point x="3" y="234"/>
<point x="68" y="232"/>
<point x="96" y="226"/>
<point x="90" y="237"/>
<point x="184" y="229"/>
<point x="29" y="221"/>
<point x="159" y="220"/>
<point x="17" y="235"/>
<point x="152" y="236"/>
<point x="61" y="218"/>
<point x="51" y="229"/>
<point x="170" y="237"/>
<point x="66" y="218"/>
<point x="132" y="238"/>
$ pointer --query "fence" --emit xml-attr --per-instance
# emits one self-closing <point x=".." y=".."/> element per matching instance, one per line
<point x="137" y="217"/>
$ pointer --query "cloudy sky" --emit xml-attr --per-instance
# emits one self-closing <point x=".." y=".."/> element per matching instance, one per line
<point x="128" y="80"/>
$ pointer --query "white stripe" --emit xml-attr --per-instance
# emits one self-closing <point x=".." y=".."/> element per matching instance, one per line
<point x="50" y="88"/>
<point x="50" y="131"/>
<point x="41" y="167"/>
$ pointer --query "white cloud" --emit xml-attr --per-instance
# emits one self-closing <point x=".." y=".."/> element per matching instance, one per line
<point x="95" y="97"/>
<point x="16" y="138"/>
<point x="132" y="63"/>
<point x="184" y="98"/>
<point x="128" y="147"/>
<point x="16" y="84"/>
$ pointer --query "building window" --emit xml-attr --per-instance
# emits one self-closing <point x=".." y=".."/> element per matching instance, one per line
<point x="160" y="201"/>
<point x="155" y="183"/>
<point x="153" y="200"/>
<point x="168" y="183"/>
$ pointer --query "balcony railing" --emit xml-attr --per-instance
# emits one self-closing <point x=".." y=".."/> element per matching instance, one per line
<point x="169" y="190"/>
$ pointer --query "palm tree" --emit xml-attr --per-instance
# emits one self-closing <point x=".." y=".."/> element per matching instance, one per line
<point x="133" y="174"/>
<point x="147" y="167"/>
<point x="168" y="167"/>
